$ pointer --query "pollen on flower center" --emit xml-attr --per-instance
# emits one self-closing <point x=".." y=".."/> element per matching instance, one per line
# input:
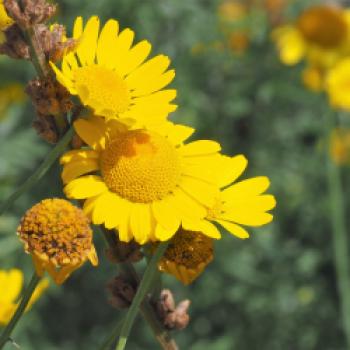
<point x="57" y="231"/>
<point x="323" y="25"/>
<point x="141" y="166"/>
<point x="102" y="89"/>
<point x="189" y="249"/>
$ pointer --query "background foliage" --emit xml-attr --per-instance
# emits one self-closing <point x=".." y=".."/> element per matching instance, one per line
<point x="274" y="291"/>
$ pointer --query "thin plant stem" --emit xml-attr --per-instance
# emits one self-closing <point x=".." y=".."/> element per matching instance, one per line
<point x="142" y="290"/>
<point x="340" y="239"/>
<point x="6" y="334"/>
<point x="107" y="344"/>
<point x="40" y="172"/>
<point x="163" y="336"/>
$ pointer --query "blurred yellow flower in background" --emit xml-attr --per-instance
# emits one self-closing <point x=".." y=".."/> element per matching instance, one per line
<point x="11" y="283"/>
<point x="313" y="78"/>
<point x="10" y="94"/>
<point x="340" y="146"/>
<point x="113" y="78"/>
<point x="59" y="238"/>
<point x="338" y="84"/>
<point x="232" y="15"/>
<point x="321" y="35"/>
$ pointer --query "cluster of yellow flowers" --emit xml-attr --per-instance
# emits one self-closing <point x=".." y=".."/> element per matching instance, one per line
<point x="321" y="37"/>
<point x="138" y="174"/>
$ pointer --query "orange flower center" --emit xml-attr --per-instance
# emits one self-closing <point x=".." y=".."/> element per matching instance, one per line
<point x="141" y="166"/>
<point x="323" y="25"/>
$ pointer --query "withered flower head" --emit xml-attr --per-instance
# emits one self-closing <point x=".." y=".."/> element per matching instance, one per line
<point x="30" y="12"/>
<point x="13" y="44"/>
<point x="187" y="255"/>
<point x="172" y="316"/>
<point x="49" y="97"/>
<point x="58" y="236"/>
<point x="122" y="292"/>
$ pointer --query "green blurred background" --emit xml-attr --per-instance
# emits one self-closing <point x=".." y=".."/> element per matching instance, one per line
<point x="274" y="291"/>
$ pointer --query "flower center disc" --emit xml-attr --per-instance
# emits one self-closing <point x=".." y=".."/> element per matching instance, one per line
<point x="323" y="25"/>
<point x="102" y="89"/>
<point x="141" y="166"/>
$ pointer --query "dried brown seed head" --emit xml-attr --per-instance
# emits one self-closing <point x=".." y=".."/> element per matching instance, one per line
<point x="14" y="44"/>
<point x="30" y="13"/>
<point x="122" y="292"/>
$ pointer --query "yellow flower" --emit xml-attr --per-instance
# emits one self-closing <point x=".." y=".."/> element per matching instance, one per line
<point x="58" y="236"/>
<point x="187" y="255"/>
<point x="321" y="34"/>
<point x="313" y="78"/>
<point x="11" y="283"/>
<point x="113" y="78"/>
<point x="338" y="84"/>
<point x="340" y="146"/>
<point x="148" y="181"/>
<point x="241" y="203"/>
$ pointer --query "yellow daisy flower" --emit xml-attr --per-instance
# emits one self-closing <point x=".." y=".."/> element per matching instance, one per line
<point x="338" y="84"/>
<point x="113" y="78"/>
<point x="241" y="203"/>
<point x="11" y="283"/>
<point x="187" y="255"/>
<point x="147" y="181"/>
<point x="321" y="34"/>
<point x="59" y="238"/>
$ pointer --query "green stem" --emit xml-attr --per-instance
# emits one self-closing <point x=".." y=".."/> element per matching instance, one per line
<point x="115" y="333"/>
<point x="5" y="336"/>
<point x="148" y="313"/>
<point x="340" y="239"/>
<point x="142" y="290"/>
<point x="40" y="172"/>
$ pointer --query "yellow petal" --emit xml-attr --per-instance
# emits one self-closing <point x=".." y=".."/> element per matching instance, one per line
<point x="246" y="188"/>
<point x="75" y="169"/>
<point x="125" y="234"/>
<point x="134" y="57"/>
<point x="90" y="133"/>
<point x="186" y="206"/>
<point x="236" y="230"/>
<point x="203" y="192"/>
<point x="63" y="80"/>
<point x="178" y="133"/>
<point x="147" y="74"/>
<point x="11" y="283"/>
<point x="140" y="222"/>
<point x="203" y="226"/>
<point x="86" y="50"/>
<point x="165" y="215"/>
<point x="78" y="155"/>
<point x="163" y="234"/>
<point x="106" y="48"/>
<point x="85" y="187"/>
<point x="78" y="28"/>
<point x="201" y="147"/>
<point x="122" y="46"/>
<point x="231" y="169"/>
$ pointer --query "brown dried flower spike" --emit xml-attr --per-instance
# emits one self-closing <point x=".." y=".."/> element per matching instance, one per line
<point x="58" y="236"/>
